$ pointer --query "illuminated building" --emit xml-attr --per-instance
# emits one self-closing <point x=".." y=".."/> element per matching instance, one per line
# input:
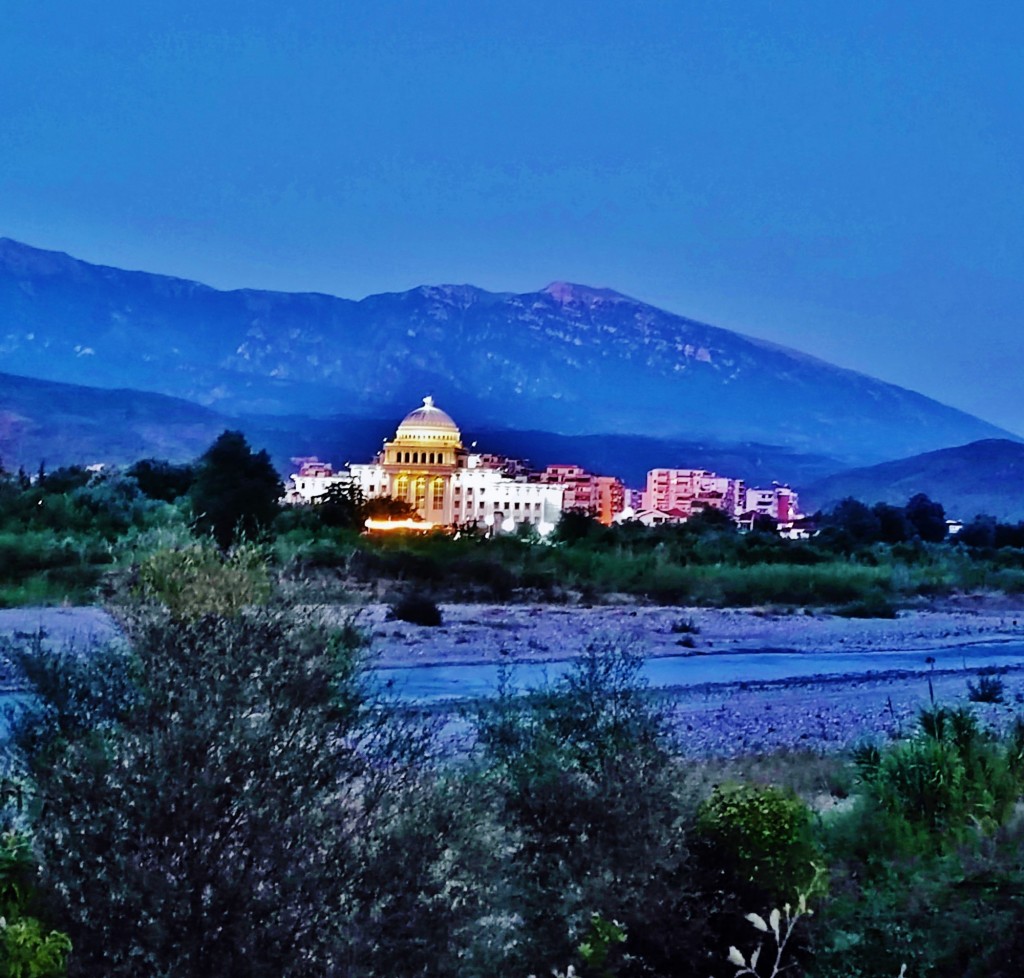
<point x="603" y="496"/>
<point x="691" y="490"/>
<point x="426" y="465"/>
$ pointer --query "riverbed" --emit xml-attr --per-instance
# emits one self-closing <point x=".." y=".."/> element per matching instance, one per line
<point x="735" y="681"/>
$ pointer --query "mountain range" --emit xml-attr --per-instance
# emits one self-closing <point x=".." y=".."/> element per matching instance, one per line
<point x="51" y="423"/>
<point x="567" y="360"/>
<point x="982" y="477"/>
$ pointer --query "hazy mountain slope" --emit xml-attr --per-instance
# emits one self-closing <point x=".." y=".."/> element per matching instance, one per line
<point x="982" y="477"/>
<point x="569" y="358"/>
<point x="630" y="457"/>
<point x="61" y="424"/>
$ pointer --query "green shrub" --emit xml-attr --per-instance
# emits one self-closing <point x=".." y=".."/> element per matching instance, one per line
<point x="761" y="835"/>
<point x="223" y="814"/>
<point x="872" y="605"/>
<point x="988" y="689"/>
<point x="27" y="948"/>
<point x="199" y="580"/>
<point x="685" y="626"/>
<point x="949" y="778"/>
<point x="585" y="791"/>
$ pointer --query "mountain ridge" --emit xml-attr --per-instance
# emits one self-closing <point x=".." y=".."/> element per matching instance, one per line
<point x="571" y="359"/>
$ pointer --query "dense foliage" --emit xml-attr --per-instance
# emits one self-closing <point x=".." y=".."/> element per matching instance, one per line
<point x="235" y="490"/>
<point x="201" y="798"/>
<point x="62" y="533"/>
<point x="28" y="949"/>
<point x="225" y="793"/>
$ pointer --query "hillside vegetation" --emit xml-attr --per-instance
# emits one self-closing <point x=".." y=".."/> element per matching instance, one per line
<point x="982" y="477"/>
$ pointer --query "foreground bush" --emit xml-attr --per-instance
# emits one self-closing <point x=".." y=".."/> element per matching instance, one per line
<point x="929" y="865"/>
<point x="761" y="837"/>
<point x="203" y="800"/>
<point x="28" y="949"/>
<point x="201" y="580"/>
<point x="591" y="820"/>
<point x="950" y="779"/>
<point x="417" y="609"/>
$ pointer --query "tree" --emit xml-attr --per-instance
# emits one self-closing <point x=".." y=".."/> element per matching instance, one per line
<point x="927" y="517"/>
<point x="207" y="798"/>
<point x="980" y="532"/>
<point x="342" y="505"/>
<point x="710" y="518"/>
<point x="160" y="479"/>
<point x="585" y="789"/>
<point x="575" y="525"/>
<point x="894" y="527"/>
<point x="235" y="490"/>
<point x="855" y="519"/>
<point x="387" y="508"/>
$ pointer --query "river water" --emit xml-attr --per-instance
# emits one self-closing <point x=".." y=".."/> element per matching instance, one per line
<point x="438" y="683"/>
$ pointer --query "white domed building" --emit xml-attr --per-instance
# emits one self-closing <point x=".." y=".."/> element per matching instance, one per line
<point x="426" y="465"/>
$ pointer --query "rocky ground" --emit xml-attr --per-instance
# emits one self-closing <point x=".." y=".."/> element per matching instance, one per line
<point x="731" y="720"/>
<point x="822" y="716"/>
<point x="539" y="633"/>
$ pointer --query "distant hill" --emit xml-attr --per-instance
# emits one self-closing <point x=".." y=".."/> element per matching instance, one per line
<point x="569" y="359"/>
<point x="630" y="457"/>
<point x="982" y="477"/>
<point x="61" y="424"/>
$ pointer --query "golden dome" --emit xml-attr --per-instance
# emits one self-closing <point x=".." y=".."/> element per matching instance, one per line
<point x="428" y="422"/>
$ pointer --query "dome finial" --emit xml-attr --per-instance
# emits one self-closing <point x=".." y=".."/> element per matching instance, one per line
<point x="428" y="401"/>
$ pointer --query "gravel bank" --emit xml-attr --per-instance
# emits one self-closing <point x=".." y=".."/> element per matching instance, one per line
<point x="545" y="633"/>
<point x="817" y="715"/>
<point x="822" y="716"/>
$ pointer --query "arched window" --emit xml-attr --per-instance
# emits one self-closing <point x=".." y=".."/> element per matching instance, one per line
<point x="437" y="502"/>
<point x="421" y="492"/>
<point x="431" y="458"/>
<point x="406" y="458"/>
<point x="402" y="487"/>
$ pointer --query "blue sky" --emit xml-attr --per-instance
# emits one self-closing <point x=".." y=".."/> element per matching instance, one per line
<point x="846" y="179"/>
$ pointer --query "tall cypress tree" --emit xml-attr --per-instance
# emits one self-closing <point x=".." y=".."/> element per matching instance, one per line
<point x="235" y="491"/>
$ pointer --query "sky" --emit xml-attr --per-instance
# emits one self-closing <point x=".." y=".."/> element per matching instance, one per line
<point x="845" y="179"/>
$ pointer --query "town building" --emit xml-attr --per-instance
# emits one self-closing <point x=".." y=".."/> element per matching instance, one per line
<point x="780" y="503"/>
<point x="312" y="480"/>
<point x="603" y="496"/>
<point x="691" y="490"/>
<point x="427" y="466"/>
<point x="447" y="484"/>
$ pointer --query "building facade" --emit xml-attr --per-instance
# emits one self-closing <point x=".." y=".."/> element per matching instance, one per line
<point x="603" y="496"/>
<point x="427" y="466"/>
<point x="691" y="490"/>
<point x="780" y="503"/>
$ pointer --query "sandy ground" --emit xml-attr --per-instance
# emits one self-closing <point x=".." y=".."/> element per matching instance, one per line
<point x="58" y="626"/>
